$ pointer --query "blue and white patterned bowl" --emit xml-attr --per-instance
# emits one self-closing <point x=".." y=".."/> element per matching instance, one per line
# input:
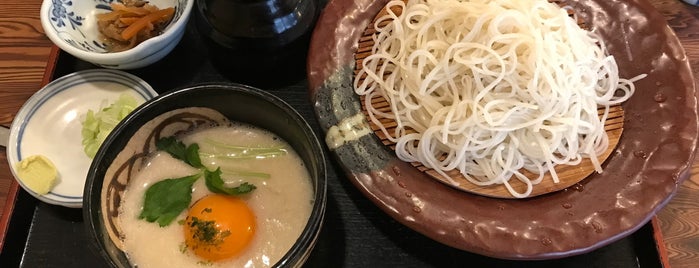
<point x="72" y="26"/>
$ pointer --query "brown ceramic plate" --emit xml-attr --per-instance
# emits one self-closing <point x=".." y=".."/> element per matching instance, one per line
<point x="641" y="175"/>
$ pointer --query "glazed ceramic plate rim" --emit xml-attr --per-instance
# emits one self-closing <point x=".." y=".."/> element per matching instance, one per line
<point x="396" y="187"/>
<point x="70" y="91"/>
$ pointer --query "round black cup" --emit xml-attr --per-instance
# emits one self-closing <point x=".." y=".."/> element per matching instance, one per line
<point x="249" y="39"/>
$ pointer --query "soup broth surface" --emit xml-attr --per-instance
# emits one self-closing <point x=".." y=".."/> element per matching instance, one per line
<point x="281" y="203"/>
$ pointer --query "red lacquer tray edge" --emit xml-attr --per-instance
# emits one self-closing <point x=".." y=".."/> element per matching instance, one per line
<point x="14" y="186"/>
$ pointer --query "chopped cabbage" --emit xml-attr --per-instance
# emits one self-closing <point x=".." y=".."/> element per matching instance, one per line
<point x="98" y="125"/>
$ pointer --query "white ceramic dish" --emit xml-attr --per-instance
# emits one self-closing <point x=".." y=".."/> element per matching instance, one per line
<point x="50" y="124"/>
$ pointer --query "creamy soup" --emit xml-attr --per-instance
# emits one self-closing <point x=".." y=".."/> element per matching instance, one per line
<point x="281" y="204"/>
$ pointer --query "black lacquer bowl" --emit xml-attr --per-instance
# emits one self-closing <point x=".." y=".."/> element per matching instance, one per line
<point x="106" y="181"/>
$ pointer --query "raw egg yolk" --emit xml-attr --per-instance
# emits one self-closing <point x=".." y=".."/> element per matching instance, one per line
<point x="218" y="227"/>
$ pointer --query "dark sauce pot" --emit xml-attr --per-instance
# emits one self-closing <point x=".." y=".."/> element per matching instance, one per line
<point x="250" y="39"/>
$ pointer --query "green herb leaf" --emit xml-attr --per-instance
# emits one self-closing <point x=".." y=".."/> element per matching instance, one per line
<point x="216" y="185"/>
<point x="177" y="149"/>
<point x="166" y="199"/>
<point x="193" y="156"/>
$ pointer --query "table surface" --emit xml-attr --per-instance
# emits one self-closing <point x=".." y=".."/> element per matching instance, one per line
<point x="25" y="54"/>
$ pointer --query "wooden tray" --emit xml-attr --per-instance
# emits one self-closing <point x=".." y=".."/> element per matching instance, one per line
<point x="355" y="233"/>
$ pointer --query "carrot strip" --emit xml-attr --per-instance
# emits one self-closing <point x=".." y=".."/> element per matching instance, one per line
<point x="109" y="16"/>
<point x="128" y="20"/>
<point x="136" y="26"/>
<point x="125" y="9"/>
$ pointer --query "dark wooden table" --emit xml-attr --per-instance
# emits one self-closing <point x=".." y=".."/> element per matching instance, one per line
<point x="26" y="53"/>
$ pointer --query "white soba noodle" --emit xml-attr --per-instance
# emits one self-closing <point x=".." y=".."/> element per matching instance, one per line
<point x="490" y="87"/>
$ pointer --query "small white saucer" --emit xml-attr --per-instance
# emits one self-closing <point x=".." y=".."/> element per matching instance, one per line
<point x="50" y="124"/>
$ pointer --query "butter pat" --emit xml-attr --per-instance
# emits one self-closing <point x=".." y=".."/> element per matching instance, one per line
<point x="37" y="173"/>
